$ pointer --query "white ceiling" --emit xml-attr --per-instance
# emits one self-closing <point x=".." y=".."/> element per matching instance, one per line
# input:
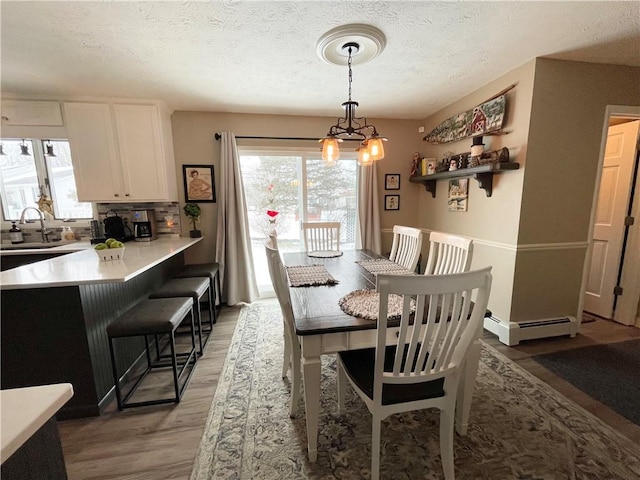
<point x="260" y="57"/>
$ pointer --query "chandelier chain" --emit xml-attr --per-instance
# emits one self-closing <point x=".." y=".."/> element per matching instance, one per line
<point x="350" y="74"/>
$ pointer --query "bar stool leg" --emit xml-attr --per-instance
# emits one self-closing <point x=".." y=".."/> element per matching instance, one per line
<point x="114" y="370"/>
<point x="174" y="366"/>
<point x="196" y="306"/>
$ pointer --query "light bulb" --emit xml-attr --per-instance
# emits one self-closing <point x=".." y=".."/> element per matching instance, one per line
<point x="330" y="150"/>
<point x="364" y="158"/>
<point x="375" y="147"/>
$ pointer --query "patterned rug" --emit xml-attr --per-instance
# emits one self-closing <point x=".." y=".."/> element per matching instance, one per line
<point x="519" y="429"/>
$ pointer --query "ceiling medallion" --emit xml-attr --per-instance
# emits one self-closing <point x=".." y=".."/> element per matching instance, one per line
<point x="371" y="42"/>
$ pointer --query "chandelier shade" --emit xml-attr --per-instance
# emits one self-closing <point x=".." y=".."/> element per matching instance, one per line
<point x="351" y="126"/>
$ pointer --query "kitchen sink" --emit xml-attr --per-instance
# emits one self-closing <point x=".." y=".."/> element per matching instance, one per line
<point x="34" y="245"/>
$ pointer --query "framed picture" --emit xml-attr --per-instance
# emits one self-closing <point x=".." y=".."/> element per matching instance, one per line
<point x="199" y="183"/>
<point x="392" y="202"/>
<point x="458" y="193"/>
<point x="392" y="181"/>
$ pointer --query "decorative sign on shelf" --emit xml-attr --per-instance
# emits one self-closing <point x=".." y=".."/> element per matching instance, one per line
<point x="483" y="119"/>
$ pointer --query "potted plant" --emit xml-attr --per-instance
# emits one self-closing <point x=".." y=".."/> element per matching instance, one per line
<point x="192" y="210"/>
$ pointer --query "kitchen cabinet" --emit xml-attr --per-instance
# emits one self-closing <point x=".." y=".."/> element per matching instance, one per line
<point x="31" y="113"/>
<point x="121" y="152"/>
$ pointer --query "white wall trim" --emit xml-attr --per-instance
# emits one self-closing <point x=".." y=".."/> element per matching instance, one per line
<point x="511" y="247"/>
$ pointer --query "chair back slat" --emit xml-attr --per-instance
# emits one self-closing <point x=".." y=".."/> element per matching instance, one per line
<point x="406" y="246"/>
<point x="279" y="280"/>
<point x="321" y="236"/>
<point x="448" y="254"/>
<point x="434" y="347"/>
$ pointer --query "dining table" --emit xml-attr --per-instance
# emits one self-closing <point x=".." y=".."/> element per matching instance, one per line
<point x="323" y="328"/>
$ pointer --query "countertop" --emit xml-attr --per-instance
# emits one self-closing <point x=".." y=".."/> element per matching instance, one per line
<point x="35" y="248"/>
<point x="83" y="266"/>
<point x="25" y="410"/>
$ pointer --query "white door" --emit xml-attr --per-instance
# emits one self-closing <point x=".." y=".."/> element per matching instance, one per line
<point x="613" y="201"/>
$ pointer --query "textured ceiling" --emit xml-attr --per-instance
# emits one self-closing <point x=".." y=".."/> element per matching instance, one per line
<point x="260" y="57"/>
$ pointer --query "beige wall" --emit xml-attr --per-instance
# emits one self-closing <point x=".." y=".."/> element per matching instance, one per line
<point x="194" y="143"/>
<point x="567" y="118"/>
<point x="492" y="222"/>
<point x="534" y="229"/>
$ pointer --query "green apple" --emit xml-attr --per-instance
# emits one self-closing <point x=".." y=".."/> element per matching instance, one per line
<point x="109" y="241"/>
<point x="116" y="244"/>
<point x="101" y="246"/>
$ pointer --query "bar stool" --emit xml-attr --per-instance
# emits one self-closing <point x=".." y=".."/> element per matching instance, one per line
<point x="210" y="270"/>
<point x="189" y="287"/>
<point x="154" y="317"/>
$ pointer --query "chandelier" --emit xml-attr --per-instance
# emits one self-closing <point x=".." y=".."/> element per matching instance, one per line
<point x="350" y="126"/>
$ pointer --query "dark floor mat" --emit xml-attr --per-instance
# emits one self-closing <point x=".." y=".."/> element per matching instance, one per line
<point x="609" y="373"/>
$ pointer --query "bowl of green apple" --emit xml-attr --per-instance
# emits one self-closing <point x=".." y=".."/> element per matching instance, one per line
<point x="109" y="250"/>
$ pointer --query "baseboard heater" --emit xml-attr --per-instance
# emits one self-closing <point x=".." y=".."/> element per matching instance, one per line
<point x="512" y="333"/>
<point x="548" y="321"/>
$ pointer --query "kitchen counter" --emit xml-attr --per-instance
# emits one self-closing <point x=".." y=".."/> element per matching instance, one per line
<point x="58" y="310"/>
<point x="30" y="439"/>
<point x="25" y="410"/>
<point x="82" y="266"/>
<point x="36" y="248"/>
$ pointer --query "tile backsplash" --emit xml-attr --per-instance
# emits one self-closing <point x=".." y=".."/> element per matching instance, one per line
<point x="167" y="214"/>
<point x="167" y="218"/>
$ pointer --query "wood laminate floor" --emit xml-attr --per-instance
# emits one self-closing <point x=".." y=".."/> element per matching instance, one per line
<point x="160" y="442"/>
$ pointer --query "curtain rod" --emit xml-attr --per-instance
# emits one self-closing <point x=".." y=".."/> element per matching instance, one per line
<point x="218" y="137"/>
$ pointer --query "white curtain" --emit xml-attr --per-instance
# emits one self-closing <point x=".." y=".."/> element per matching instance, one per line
<point x="368" y="233"/>
<point x="233" y="243"/>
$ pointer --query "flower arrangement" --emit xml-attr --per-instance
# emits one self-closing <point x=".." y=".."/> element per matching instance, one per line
<point x="271" y="227"/>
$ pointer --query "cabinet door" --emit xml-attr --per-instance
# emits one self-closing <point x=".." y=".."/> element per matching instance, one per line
<point x="141" y="151"/>
<point x="31" y="113"/>
<point x="94" y="152"/>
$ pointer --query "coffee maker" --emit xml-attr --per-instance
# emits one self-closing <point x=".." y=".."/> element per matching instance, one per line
<point x="145" y="228"/>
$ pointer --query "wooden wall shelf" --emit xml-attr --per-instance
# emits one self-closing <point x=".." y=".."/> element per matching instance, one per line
<point x="483" y="174"/>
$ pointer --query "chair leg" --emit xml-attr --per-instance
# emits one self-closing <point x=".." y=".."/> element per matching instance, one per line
<point x="286" y="358"/>
<point x="375" y="448"/>
<point x="447" y="419"/>
<point x="296" y="377"/>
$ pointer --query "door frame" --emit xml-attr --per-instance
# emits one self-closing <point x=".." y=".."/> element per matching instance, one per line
<point x="633" y="113"/>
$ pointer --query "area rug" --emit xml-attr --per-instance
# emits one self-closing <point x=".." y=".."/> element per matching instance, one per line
<point x="519" y="427"/>
<point x="609" y="373"/>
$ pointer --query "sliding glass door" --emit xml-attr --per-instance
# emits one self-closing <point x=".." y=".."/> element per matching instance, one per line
<point x="299" y="187"/>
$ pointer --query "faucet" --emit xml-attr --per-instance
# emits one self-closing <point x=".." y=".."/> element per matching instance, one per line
<point x="43" y="230"/>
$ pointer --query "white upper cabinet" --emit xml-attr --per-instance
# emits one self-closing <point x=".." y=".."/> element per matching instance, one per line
<point x="121" y="152"/>
<point x="31" y="113"/>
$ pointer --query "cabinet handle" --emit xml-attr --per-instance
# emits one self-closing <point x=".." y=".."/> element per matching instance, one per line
<point x="116" y="194"/>
<point x="126" y="194"/>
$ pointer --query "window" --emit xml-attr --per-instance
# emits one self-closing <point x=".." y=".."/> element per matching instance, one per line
<point x="300" y="187"/>
<point x="30" y="167"/>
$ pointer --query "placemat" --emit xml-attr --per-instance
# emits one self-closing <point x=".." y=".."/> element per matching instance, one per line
<point x="383" y="265"/>
<point x="325" y="253"/>
<point x="365" y="304"/>
<point x="309" y="275"/>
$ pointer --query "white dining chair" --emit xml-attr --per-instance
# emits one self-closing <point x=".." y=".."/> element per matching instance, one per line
<point x="388" y="383"/>
<point x="291" y="358"/>
<point x="406" y="246"/>
<point x="319" y="236"/>
<point x="448" y="254"/>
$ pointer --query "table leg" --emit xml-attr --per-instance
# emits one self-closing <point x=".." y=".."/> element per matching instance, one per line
<point x="466" y="387"/>
<point x="311" y="377"/>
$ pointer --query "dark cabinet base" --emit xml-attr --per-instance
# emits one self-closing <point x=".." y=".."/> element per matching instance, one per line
<point x="38" y="458"/>
<point x="58" y="335"/>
